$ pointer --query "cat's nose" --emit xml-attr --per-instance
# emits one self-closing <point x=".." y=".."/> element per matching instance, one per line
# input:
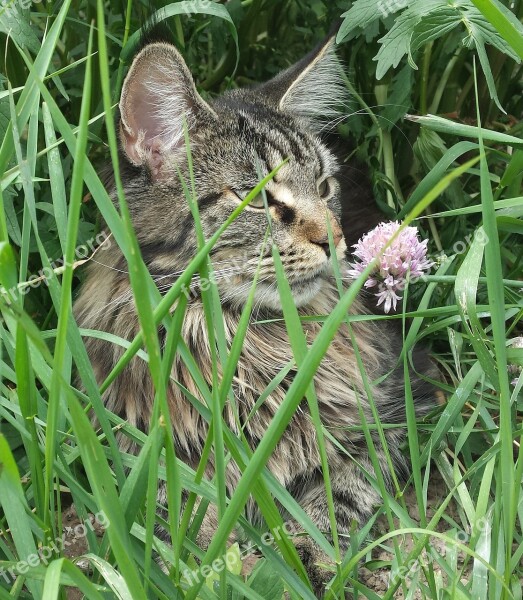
<point x="322" y="239"/>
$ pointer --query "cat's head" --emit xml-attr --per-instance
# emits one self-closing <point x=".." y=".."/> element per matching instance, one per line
<point x="235" y="139"/>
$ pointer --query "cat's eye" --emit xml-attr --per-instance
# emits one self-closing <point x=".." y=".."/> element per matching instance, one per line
<point x="256" y="202"/>
<point x="324" y="188"/>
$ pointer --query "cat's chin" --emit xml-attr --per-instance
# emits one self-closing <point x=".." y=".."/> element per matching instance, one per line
<point x="305" y="291"/>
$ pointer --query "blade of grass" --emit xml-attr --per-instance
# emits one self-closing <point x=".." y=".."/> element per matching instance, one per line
<point x="56" y="177"/>
<point x="14" y="504"/>
<point x="55" y="393"/>
<point x="299" y="349"/>
<point x="53" y="578"/>
<point x="142" y="286"/>
<point x="451" y="127"/>
<point x="494" y="271"/>
<point x="435" y="175"/>
<point x="105" y="494"/>
<point x="466" y="288"/>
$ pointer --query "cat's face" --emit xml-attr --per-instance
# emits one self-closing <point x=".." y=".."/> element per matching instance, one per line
<point x="234" y="141"/>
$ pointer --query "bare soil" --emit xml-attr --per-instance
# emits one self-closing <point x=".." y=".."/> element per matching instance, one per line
<point x="372" y="574"/>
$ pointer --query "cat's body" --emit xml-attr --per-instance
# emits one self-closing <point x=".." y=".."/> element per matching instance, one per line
<point x="232" y="140"/>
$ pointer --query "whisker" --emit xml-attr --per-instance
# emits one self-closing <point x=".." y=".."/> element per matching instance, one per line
<point x="110" y="267"/>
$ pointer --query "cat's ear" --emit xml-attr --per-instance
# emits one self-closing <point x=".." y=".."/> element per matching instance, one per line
<point x="311" y="88"/>
<point x="158" y="95"/>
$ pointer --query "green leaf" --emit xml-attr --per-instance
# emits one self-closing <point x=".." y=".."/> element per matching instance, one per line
<point x="439" y="23"/>
<point x="399" y="99"/>
<point x="233" y="564"/>
<point x="54" y="577"/>
<point x="361" y="14"/>
<point x="8" y="276"/>
<point x="105" y="493"/>
<point x="513" y="173"/>
<point x="481" y="33"/>
<point x="29" y="95"/>
<point x="14" y="21"/>
<point x="510" y="224"/>
<point x="11" y="219"/>
<point x="395" y="44"/>
<point x="234" y="559"/>
<point x="483" y="548"/>
<point x="452" y="128"/>
<point x="111" y="576"/>
<point x="504" y="21"/>
<point x="426" y="20"/>
<point x="16" y="511"/>
<point x="432" y="178"/>
<point x="56" y="176"/>
<point x="494" y="269"/>
<point x="466" y="288"/>
<point x="266" y="582"/>
<point x="429" y="148"/>
<point x="5" y="116"/>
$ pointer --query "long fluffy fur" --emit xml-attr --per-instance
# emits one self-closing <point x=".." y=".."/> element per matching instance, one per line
<point x="240" y="133"/>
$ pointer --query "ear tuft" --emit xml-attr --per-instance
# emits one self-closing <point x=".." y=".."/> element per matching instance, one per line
<point x="312" y="88"/>
<point x="158" y="95"/>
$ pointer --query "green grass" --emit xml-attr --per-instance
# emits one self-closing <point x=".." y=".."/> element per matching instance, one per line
<point x="454" y="167"/>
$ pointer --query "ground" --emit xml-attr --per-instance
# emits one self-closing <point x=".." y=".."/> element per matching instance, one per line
<point x="376" y="579"/>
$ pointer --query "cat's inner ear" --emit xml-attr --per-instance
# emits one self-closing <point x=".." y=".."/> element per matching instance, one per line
<point x="158" y="97"/>
<point x="312" y="88"/>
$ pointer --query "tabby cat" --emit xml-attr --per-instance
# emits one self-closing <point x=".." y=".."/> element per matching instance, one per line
<point x="234" y="139"/>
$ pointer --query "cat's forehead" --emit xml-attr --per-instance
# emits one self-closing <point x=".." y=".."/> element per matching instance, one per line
<point x="262" y="134"/>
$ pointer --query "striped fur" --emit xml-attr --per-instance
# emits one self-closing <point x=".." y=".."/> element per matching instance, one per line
<point x="233" y="139"/>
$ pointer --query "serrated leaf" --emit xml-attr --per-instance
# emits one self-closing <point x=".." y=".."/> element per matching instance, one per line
<point x="396" y="43"/>
<point x="439" y="23"/>
<point x="15" y="22"/>
<point x="481" y="33"/>
<point x="424" y="21"/>
<point x="361" y="14"/>
<point x="505" y="22"/>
